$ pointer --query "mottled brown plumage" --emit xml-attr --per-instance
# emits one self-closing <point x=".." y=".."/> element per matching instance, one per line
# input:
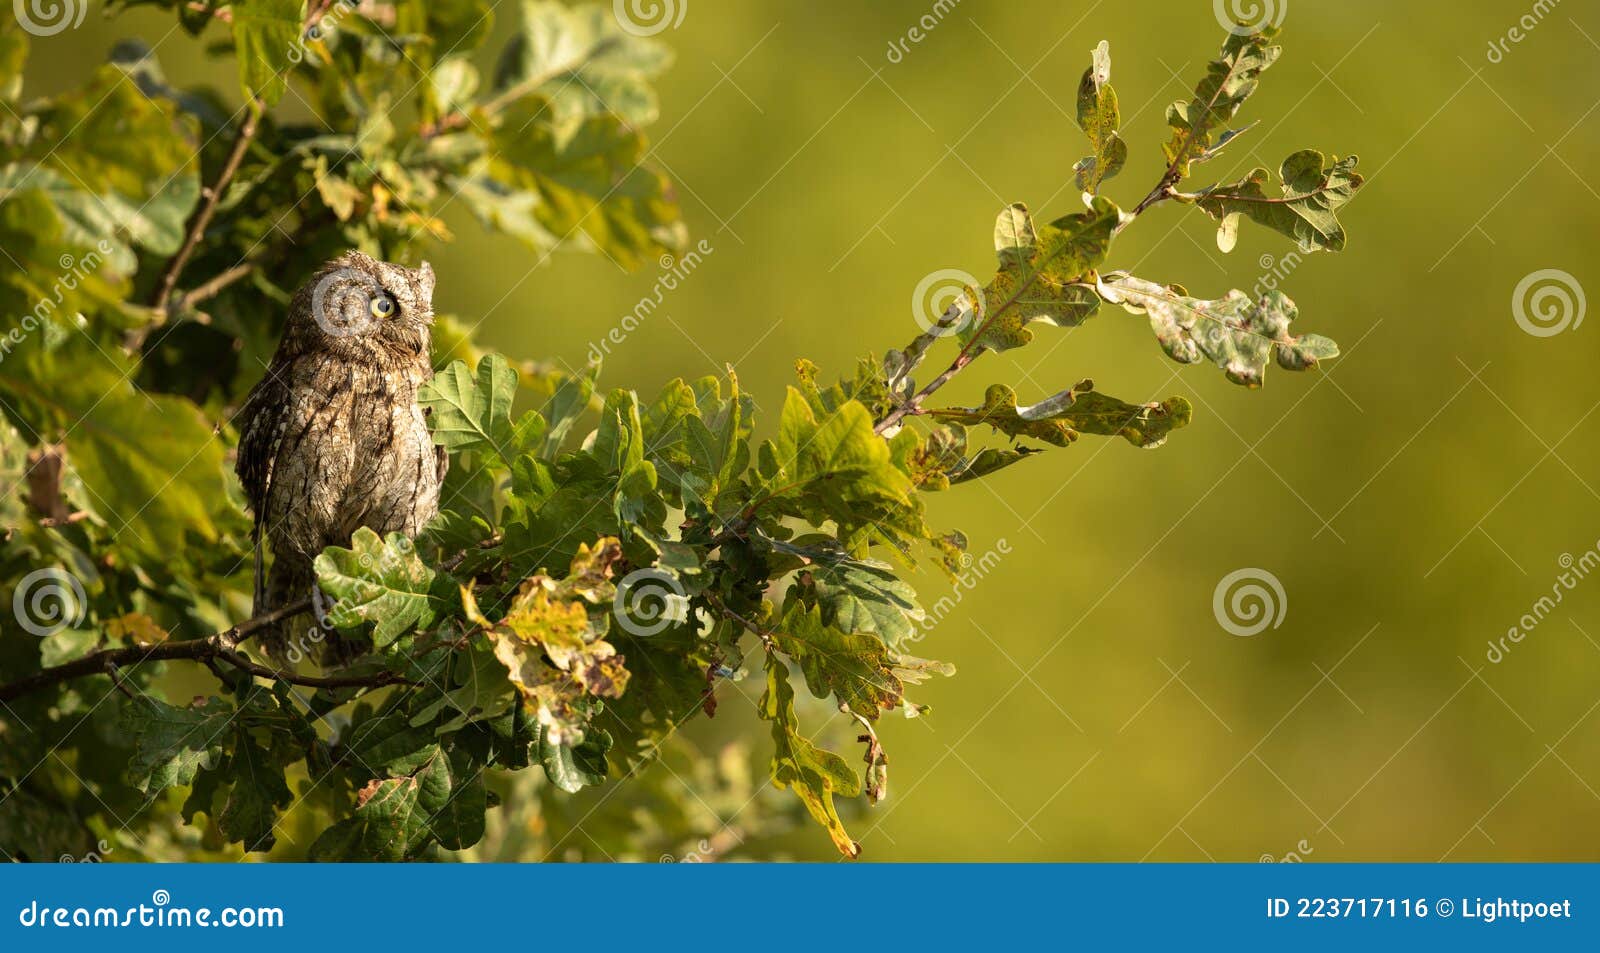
<point x="332" y="439"/>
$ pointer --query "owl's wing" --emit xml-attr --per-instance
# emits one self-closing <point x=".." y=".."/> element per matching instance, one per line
<point x="262" y="421"/>
<point x="441" y="459"/>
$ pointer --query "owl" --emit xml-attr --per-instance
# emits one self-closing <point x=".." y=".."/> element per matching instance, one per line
<point x="332" y="438"/>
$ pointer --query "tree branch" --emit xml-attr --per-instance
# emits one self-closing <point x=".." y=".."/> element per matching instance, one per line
<point x="211" y="288"/>
<point x="202" y="215"/>
<point x="914" y="405"/>
<point x="207" y="650"/>
<point x="1164" y="190"/>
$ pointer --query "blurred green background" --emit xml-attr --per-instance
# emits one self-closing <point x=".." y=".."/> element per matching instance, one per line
<point x="1414" y="499"/>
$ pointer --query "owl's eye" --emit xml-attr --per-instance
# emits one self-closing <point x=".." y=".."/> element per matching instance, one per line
<point x="383" y="306"/>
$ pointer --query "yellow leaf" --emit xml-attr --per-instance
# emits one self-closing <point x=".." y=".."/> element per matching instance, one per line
<point x="137" y="626"/>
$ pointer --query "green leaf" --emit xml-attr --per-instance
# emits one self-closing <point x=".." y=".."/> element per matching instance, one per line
<point x="264" y="34"/>
<point x="838" y="460"/>
<point x="152" y="464"/>
<point x="1059" y="418"/>
<point x="1099" y="117"/>
<point x="717" y="441"/>
<point x="1015" y="241"/>
<point x="591" y="182"/>
<point x="99" y="222"/>
<point x="855" y="667"/>
<point x="40" y="239"/>
<point x="68" y="644"/>
<point x="1238" y="334"/>
<point x="619" y="448"/>
<point x="500" y="207"/>
<point x="444" y="800"/>
<point x="584" y="62"/>
<point x="1229" y="81"/>
<point x="663" y="425"/>
<point x="14" y="469"/>
<point x="619" y="440"/>
<point x="259" y="791"/>
<point x="990" y="460"/>
<point x="341" y="842"/>
<point x="1313" y="192"/>
<point x="1043" y="275"/>
<point x="866" y="596"/>
<point x="394" y="826"/>
<point x="1143" y="425"/>
<point x="468" y="414"/>
<point x="170" y="744"/>
<point x="384" y="582"/>
<point x="815" y="775"/>
<point x="999" y="410"/>
<point x="13" y="54"/>
<point x="566" y="405"/>
<point x="455" y="803"/>
<point x="119" y="168"/>
<point x="479" y="690"/>
<point x="574" y="767"/>
<point x="453" y="28"/>
<point x="391" y="743"/>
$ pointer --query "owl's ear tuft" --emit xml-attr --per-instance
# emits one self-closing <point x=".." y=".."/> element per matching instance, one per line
<point x="425" y="281"/>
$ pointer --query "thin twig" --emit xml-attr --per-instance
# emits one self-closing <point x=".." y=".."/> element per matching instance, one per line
<point x="211" y="288"/>
<point x="77" y="516"/>
<point x="225" y="14"/>
<point x="222" y="645"/>
<point x="450" y="564"/>
<point x="202" y="216"/>
<point x="913" y="406"/>
<point x="764" y="634"/>
<point x="375" y="680"/>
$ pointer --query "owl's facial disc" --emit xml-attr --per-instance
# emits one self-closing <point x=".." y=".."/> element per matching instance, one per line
<point x="371" y="310"/>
